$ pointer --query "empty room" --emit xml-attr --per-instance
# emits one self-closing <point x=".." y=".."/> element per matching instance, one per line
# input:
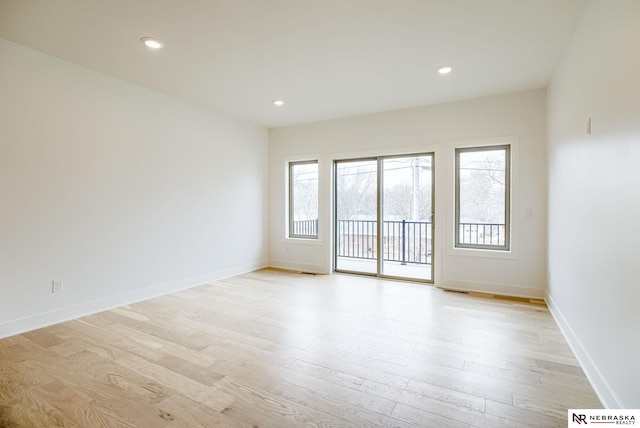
<point x="336" y="213"/>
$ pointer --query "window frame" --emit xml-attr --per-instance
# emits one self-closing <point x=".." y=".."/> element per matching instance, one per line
<point x="507" y="147"/>
<point x="291" y="200"/>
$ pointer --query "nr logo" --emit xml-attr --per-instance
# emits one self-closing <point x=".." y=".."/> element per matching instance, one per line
<point x="580" y="419"/>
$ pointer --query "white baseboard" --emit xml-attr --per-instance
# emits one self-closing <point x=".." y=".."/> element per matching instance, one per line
<point x="492" y="288"/>
<point x="302" y="267"/>
<point x="44" y="319"/>
<point x="605" y="393"/>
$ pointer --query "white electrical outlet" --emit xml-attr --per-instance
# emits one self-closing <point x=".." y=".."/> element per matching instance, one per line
<point x="56" y="286"/>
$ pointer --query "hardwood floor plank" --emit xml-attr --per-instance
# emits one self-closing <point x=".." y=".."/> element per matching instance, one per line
<point x="171" y="381"/>
<point x="161" y="329"/>
<point x="425" y="419"/>
<point x="37" y="372"/>
<point x="72" y="400"/>
<point x="419" y="395"/>
<point x="447" y="347"/>
<point x="26" y="352"/>
<point x="29" y="410"/>
<point x="265" y="409"/>
<point x="388" y="355"/>
<point x="560" y="372"/>
<point x="521" y="415"/>
<point x="512" y="375"/>
<point x="342" y="393"/>
<point x="181" y="411"/>
<point x="262" y="375"/>
<point x="12" y="383"/>
<point x="325" y="373"/>
<point x="539" y="405"/>
<point x="361" y="368"/>
<point x="43" y="337"/>
<point x="457" y="355"/>
<point x="8" y="342"/>
<point x="281" y="349"/>
<point x="154" y="348"/>
<point x="193" y="371"/>
<point x="92" y="415"/>
<point x="131" y="382"/>
<point x="561" y="368"/>
<point x="111" y="398"/>
<point x="207" y="329"/>
<point x="354" y="416"/>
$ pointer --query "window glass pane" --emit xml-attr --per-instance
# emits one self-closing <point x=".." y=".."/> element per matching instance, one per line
<point x="482" y="197"/>
<point x="303" y="200"/>
<point x="356" y="222"/>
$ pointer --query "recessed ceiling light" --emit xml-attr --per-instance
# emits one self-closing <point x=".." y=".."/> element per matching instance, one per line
<point x="445" y="69"/>
<point x="278" y="103"/>
<point x="152" y="43"/>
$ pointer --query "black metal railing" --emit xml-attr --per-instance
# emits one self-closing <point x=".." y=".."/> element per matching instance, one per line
<point x="305" y="228"/>
<point x="404" y="241"/>
<point x="357" y="239"/>
<point x="482" y="234"/>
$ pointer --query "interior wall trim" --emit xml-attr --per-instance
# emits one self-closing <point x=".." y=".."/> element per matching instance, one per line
<point x="298" y="267"/>
<point x="600" y="385"/>
<point x="527" y="292"/>
<point x="45" y="319"/>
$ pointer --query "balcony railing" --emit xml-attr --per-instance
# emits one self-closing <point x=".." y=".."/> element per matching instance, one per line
<point x="305" y="228"/>
<point x="482" y="234"/>
<point x="404" y="241"/>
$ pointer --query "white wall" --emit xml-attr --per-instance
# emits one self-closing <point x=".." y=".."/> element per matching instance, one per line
<point x="594" y="198"/>
<point x="433" y="128"/>
<point x="122" y="192"/>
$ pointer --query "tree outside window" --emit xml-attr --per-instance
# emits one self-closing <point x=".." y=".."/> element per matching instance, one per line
<point x="303" y="199"/>
<point x="482" y="197"/>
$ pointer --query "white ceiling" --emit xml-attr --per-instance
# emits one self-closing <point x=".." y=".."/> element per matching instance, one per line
<point x="325" y="58"/>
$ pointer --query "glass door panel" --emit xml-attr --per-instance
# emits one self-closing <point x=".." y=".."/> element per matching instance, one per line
<point x="356" y="216"/>
<point x="406" y="212"/>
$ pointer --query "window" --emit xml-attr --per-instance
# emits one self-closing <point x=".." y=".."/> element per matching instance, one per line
<point x="482" y="197"/>
<point x="303" y="199"/>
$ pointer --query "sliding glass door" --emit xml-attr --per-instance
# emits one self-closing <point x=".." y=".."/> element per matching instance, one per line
<point x="406" y="209"/>
<point x="391" y="198"/>
<point x="356" y="216"/>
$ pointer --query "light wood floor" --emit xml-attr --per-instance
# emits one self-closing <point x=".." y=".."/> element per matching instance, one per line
<point x="278" y="349"/>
